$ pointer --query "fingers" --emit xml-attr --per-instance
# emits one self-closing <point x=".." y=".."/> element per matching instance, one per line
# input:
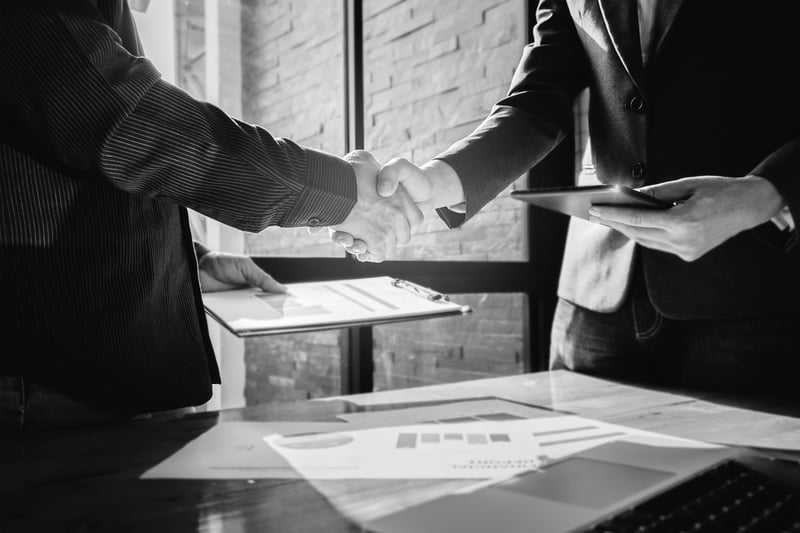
<point x="343" y="239"/>
<point x="674" y="191"/>
<point x="390" y="176"/>
<point x="268" y="284"/>
<point x="375" y="244"/>
<point x="681" y="245"/>
<point x="358" y="247"/>
<point x="394" y="229"/>
<point x="401" y="171"/>
<point x="408" y="218"/>
<point x="348" y="242"/>
<point x="643" y="218"/>
<point x="400" y="234"/>
<point x="225" y="271"/>
<point x="362" y="156"/>
<point x="416" y="216"/>
<point x="639" y="234"/>
<point x="255" y="277"/>
<point x="376" y="225"/>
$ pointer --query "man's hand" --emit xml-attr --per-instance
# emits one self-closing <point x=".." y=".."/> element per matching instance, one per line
<point x="376" y="225"/>
<point x="431" y="186"/>
<point x="711" y="210"/>
<point x="222" y="271"/>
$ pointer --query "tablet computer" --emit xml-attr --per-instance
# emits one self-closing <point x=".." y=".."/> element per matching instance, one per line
<point x="576" y="201"/>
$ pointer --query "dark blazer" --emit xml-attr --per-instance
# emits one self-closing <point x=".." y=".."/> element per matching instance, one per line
<point x="98" y="158"/>
<point x="719" y="96"/>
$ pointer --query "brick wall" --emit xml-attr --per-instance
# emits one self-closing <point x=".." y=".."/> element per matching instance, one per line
<point x="292" y="367"/>
<point x="293" y="70"/>
<point x="432" y="71"/>
<point x="488" y="343"/>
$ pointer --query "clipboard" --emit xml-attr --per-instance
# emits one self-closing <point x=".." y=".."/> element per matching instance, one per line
<point x="321" y="305"/>
<point x="576" y="201"/>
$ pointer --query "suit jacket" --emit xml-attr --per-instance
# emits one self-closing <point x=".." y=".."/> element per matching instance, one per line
<point x="718" y="97"/>
<point x="98" y="158"/>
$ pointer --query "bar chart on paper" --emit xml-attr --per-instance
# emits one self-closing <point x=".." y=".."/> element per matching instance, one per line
<point x="412" y="440"/>
<point x="578" y="436"/>
<point x="476" y="440"/>
<point x="467" y="450"/>
<point x="459" y="450"/>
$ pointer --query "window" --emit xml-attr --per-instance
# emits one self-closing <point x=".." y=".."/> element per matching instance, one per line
<point x="432" y="72"/>
<point x="399" y="78"/>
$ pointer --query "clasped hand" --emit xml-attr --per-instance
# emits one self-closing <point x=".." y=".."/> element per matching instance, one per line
<point x="388" y="210"/>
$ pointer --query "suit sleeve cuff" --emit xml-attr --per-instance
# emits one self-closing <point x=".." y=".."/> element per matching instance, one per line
<point x="329" y="194"/>
<point x="782" y="176"/>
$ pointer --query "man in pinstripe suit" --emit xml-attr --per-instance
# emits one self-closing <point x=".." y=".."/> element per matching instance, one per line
<point x="99" y="159"/>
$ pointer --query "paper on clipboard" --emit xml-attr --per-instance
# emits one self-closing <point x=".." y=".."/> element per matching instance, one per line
<point x="326" y="305"/>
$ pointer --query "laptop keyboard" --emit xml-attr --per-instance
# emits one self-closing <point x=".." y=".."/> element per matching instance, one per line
<point x="729" y="498"/>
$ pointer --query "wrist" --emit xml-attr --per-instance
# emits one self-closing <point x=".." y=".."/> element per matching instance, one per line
<point x="767" y="201"/>
<point x="446" y="188"/>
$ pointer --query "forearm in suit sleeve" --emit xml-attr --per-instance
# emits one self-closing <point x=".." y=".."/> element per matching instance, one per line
<point x="528" y="123"/>
<point x="782" y="169"/>
<point x="97" y="109"/>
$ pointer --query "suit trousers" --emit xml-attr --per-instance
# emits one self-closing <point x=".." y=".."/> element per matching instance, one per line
<point x="755" y="355"/>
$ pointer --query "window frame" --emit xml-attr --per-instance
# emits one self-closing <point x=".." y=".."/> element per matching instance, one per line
<point x="536" y="278"/>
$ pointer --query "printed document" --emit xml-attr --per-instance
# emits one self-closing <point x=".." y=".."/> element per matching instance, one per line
<point x="493" y="443"/>
<point x="326" y="305"/>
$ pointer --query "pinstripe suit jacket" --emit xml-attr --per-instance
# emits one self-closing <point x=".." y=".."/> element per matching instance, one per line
<point x="98" y="158"/>
<point x="718" y="97"/>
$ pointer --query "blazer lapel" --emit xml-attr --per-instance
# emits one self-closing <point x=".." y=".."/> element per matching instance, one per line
<point x="665" y="16"/>
<point x="621" y="20"/>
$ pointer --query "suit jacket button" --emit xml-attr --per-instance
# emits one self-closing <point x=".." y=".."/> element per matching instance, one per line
<point x="638" y="171"/>
<point x="313" y="222"/>
<point x="637" y="104"/>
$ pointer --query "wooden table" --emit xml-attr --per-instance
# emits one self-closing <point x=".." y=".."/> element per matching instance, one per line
<point x="88" y="480"/>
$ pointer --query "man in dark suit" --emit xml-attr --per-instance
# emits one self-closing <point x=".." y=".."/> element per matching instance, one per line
<point x="691" y="101"/>
<point x="99" y="158"/>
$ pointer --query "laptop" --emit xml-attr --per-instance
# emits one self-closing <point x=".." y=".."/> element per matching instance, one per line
<point x="622" y="487"/>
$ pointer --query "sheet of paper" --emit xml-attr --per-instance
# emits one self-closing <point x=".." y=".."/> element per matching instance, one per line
<point x="235" y="450"/>
<point x="467" y="450"/>
<point x="322" y="304"/>
<point x="477" y="450"/>
<point x="561" y="436"/>
<point x="493" y="409"/>
<point x="480" y="449"/>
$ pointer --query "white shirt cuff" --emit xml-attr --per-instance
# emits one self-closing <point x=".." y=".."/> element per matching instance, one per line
<point x="784" y="220"/>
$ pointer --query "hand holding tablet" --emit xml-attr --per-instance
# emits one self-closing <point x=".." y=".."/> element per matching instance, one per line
<point x="576" y="201"/>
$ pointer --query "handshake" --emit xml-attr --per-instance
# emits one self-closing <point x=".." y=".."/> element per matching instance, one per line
<point x="392" y="202"/>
